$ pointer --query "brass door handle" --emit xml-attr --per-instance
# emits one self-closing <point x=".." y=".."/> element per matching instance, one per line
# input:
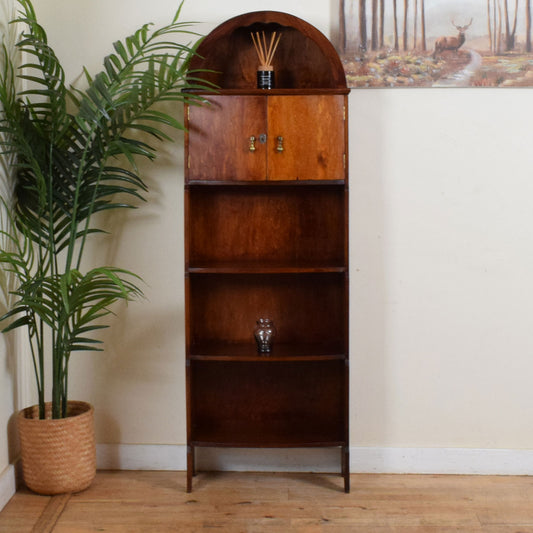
<point x="279" y="147"/>
<point x="252" y="144"/>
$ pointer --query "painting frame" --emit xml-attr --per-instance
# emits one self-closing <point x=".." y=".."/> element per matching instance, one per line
<point x="436" y="43"/>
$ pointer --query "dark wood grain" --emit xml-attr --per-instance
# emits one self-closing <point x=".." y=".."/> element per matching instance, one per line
<point x="283" y="403"/>
<point x="247" y="351"/>
<point x="260" y="227"/>
<point x="296" y="137"/>
<point x="266" y="236"/>
<point x="305" y="308"/>
<point x="304" y="59"/>
<point x="219" y="134"/>
<point x="312" y="128"/>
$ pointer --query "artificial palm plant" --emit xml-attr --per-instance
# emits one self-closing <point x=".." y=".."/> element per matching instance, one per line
<point x="74" y="155"/>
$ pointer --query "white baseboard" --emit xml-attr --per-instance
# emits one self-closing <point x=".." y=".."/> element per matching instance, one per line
<point x="362" y="459"/>
<point x="8" y="485"/>
<point x="141" y="457"/>
<point x="442" y="461"/>
<point x="174" y="457"/>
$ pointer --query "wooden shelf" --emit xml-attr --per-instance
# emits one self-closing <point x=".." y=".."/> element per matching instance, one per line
<point x="252" y="91"/>
<point x="282" y="434"/>
<point x="218" y="351"/>
<point x="264" y="183"/>
<point x="263" y="268"/>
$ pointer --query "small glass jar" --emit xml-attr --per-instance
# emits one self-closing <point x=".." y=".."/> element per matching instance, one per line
<point x="264" y="333"/>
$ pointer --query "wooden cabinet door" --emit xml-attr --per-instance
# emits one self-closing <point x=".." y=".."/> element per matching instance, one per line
<point x="306" y="138"/>
<point x="219" y="147"/>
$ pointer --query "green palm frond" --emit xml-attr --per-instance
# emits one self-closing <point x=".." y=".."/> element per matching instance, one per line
<point x="63" y="144"/>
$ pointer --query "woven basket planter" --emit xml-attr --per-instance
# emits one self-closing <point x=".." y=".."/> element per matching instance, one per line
<point x="58" y="456"/>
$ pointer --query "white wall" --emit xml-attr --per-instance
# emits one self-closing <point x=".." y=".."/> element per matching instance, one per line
<point x="441" y="257"/>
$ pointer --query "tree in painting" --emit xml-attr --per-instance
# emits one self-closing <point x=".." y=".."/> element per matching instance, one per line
<point x="422" y="43"/>
<point x="528" y="26"/>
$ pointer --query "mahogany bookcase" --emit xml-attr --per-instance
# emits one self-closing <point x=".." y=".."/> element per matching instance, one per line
<point x="266" y="236"/>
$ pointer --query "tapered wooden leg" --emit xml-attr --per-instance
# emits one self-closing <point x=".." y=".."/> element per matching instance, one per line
<point x="346" y="468"/>
<point x="190" y="467"/>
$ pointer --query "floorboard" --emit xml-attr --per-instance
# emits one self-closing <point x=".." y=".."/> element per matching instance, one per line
<point x="156" y="502"/>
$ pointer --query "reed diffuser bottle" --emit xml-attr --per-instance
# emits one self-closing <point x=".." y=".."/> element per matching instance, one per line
<point x="265" y="53"/>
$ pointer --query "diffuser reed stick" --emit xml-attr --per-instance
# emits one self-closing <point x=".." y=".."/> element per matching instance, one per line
<point x="265" y="52"/>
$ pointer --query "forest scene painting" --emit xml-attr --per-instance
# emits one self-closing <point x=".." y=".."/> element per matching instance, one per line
<point x="436" y="43"/>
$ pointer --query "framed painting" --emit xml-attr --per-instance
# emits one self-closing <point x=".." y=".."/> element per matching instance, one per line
<point x="436" y="43"/>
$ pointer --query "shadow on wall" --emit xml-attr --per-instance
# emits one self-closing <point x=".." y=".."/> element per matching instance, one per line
<point x="14" y="373"/>
<point x="144" y="345"/>
<point x="128" y="379"/>
<point x="169" y="156"/>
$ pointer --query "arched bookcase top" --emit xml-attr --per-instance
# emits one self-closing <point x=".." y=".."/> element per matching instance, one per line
<point x="305" y="59"/>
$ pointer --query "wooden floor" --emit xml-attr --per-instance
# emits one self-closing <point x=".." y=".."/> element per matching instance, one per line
<point x="156" y="502"/>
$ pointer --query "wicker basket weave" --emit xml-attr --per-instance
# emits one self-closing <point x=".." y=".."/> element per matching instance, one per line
<point x="58" y="456"/>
